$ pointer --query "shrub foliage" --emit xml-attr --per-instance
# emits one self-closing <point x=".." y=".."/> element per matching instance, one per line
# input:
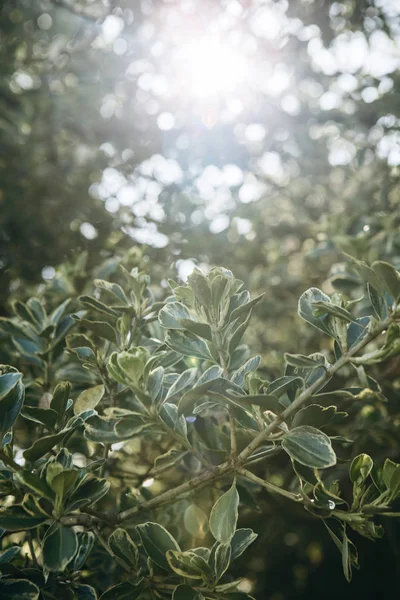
<point x="135" y="432"/>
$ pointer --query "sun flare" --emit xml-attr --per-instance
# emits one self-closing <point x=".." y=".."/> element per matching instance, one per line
<point x="211" y="68"/>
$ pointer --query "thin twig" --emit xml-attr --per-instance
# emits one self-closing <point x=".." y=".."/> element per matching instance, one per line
<point x="32" y="550"/>
<point x="269" y="486"/>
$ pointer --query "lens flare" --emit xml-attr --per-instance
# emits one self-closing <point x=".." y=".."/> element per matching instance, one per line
<point x="212" y="68"/>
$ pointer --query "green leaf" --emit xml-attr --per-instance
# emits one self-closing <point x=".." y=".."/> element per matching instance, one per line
<point x="36" y="308"/>
<point x="282" y="384"/>
<point x="389" y="467"/>
<point x="84" y="592"/>
<point x="182" y="293"/>
<point x="310" y="447"/>
<point x="60" y="399"/>
<point x="239" y="596"/>
<point x="124" y="548"/>
<point x="63" y="482"/>
<point x="15" y="518"/>
<point x="391" y="478"/>
<point x="13" y="396"/>
<point x="188" y="564"/>
<point x="36" y="507"/>
<point x="316" y="416"/>
<point x="224" y="515"/>
<point x="129" y="427"/>
<point x="8" y="555"/>
<point x="85" y="545"/>
<point x="171" y="314"/>
<point x="347" y="550"/>
<point x="131" y="364"/>
<point x="378" y="302"/>
<point x="18" y="589"/>
<point x="113" y="288"/>
<point x="334" y="310"/>
<point x="201" y="289"/>
<point x="95" y="304"/>
<point x="245" y="308"/>
<point x="101" y="430"/>
<point x="59" y="547"/>
<point x="43" y="445"/>
<point x="241" y="540"/>
<point x="195" y="521"/>
<point x="89" y="399"/>
<point x="301" y="361"/>
<point x="169" y="459"/>
<point x="58" y="312"/>
<point x="188" y="344"/>
<point x="22" y="311"/>
<point x="265" y="401"/>
<point x="184" y="380"/>
<point x="238" y="330"/>
<point x="89" y="491"/>
<point x="219" y="388"/>
<point x="170" y="415"/>
<point x="101" y="329"/>
<point x="360" y="468"/>
<point x="306" y="310"/>
<point x="43" y="416"/>
<point x="34" y="483"/>
<point x="157" y="541"/>
<point x="78" y="340"/>
<point x="201" y="329"/>
<point x="122" y="591"/>
<point x="367" y="274"/>
<point x="220" y="559"/>
<point x="8" y="381"/>
<point x="184" y="592"/>
<point x="155" y="382"/>
<point x="209" y="374"/>
<point x="310" y="376"/>
<point x="238" y="377"/>
<point x="389" y="278"/>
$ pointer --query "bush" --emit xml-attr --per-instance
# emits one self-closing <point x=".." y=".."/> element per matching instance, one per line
<point x="138" y="434"/>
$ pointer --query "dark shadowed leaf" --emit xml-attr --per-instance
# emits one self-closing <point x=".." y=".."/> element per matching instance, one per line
<point x="123" y="546"/>
<point x="85" y="545"/>
<point x="122" y="591"/>
<point x="241" y="540"/>
<point x="389" y="278"/>
<point x="59" y="547"/>
<point x="157" y="541"/>
<point x="184" y="592"/>
<point x="15" y="518"/>
<point x="18" y="589"/>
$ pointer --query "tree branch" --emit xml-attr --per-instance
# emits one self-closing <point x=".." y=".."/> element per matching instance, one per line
<point x="221" y="470"/>
<point x="308" y="392"/>
<point x="269" y="486"/>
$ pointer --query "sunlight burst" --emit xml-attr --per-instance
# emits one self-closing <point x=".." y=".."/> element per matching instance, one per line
<point x="212" y="68"/>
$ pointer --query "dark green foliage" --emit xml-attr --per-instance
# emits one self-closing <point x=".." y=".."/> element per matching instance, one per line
<point x="144" y="398"/>
<point x="119" y="394"/>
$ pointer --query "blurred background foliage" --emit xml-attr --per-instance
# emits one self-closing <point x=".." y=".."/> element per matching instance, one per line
<point x="258" y="135"/>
